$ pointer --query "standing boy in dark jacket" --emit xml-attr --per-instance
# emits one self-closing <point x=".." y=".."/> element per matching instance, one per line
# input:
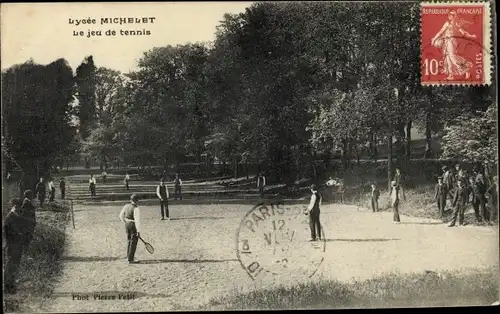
<point x="440" y="196"/>
<point x="375" y="197"/>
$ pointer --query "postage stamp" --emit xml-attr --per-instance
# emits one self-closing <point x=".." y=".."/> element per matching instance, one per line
<point x="272" y="240"/>
<point x="455" y="43"/>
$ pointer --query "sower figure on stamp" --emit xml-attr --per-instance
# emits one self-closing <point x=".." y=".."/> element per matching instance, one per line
<point x="52" y="190"/>
<point x="62" y="187"/>
<point x="41" y="191"/>
<point x="131" y="216"/>
<point x="460" y="200"/>
<point x="313" y="210"/>
<point x="441" y="192"/>
<point x="92" y="184"/>
<point x="162" y="193"/>
<point x="375" y="197"/>
<point x="177" y="187"/>
<point x="447" y="39"/>
<point x="261" y="184"/>
<point x="19" y="225"/>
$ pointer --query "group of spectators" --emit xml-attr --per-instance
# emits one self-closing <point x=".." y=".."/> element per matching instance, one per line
<point x="479" y="188"/>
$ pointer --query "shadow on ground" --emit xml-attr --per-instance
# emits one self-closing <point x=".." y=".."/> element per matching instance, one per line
<point x="361" y="240"/>
<point x="151" y="261"/>
<point x="161" y="261"/>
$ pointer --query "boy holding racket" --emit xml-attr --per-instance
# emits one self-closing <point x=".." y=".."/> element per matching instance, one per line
<point x="131" y="216"/>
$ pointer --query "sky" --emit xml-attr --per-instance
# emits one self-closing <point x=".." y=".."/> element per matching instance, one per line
<point x="42" y="31"/>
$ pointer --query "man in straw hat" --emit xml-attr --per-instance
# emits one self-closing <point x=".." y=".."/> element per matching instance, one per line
<point x="131" y="216"/>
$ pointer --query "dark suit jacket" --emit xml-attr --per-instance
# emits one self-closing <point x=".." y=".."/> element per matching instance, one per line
<point x="29" y="215"/>
<point x="441" y="190"/>
<point x="461" y="196"/>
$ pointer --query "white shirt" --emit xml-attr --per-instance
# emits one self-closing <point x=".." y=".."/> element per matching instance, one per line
<point x="331" y="182"/>
<point x="313" y="200"/>
<point x="127" y="177"/>
<point x="263" y="181"/>
<point x="137" y="217"/>
<point x="104" y="173"/>
<point x="92" y="180"/>
<point x="51" y="185"/>
<point x="158" y="191"/>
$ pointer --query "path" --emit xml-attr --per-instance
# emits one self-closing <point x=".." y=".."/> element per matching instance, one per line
<point x="195" y="256"/>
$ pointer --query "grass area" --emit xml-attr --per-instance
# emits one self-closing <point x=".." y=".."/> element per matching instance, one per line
<point x="40" y="263"/>
<point x="459" y="288"/>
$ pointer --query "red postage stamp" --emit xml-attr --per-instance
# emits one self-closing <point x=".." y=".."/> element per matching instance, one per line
<point x="455" y="43"/>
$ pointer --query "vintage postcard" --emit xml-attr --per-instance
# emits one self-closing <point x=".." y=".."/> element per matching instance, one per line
<point x="210" y="156"/>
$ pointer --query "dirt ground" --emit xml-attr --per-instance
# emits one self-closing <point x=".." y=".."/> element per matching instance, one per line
<point x="195" y="255"/>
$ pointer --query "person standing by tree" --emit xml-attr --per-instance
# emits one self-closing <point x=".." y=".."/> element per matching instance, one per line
<point x="52" y="190"/>
<point x="92" y="185"/>
<point x="62" y="187"/>
<point x="127" y="179"/>
<point x="177" y="187"/>
<point x="313" y="210"/>
<point x="460" y="200"/>
<point x="448" y="180"/>
<point x="19" y="226"/>
<point x="375" y="197"/>
<point x="41" y="191"/>
<point x="162" y="193"/>
<point x="332" y="183"/>
<point x="261" y="184"/>
<point x="493" y="192"/>
<point x="478" y="189"/>
<point x="13" y="236"/>
<point x="131" y="216"/>
<point x="395" y="200"/>
<point x="398" y="178"/>
<point x="440" y="195"/>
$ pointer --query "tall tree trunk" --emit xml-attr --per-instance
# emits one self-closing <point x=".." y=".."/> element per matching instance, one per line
<point x="408" y="144"/>
<point x="246" y="169"/>
<point x="375" y="144"/>
<point x="224" y="166"/>
<point x="428" y="135"/>
<point x="235" y="168"/>
<point x="400" y="144"/>
<point x="389" y="161"/>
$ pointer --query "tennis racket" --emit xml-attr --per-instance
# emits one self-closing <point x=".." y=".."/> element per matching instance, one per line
<point x="149" y="247"/>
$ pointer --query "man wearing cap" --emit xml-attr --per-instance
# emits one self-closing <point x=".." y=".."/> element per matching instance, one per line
<point x="41" y="190"/>
<point x="177" y="187"/>
<point x="62" y="187"/>
<point x="313" y="210"/>
<point x="261" y="183"/>
<point x="440" y="196"/>
<point x="460" y="200"/>
<point x="162" y="193"/>
<point x="131" y="216"/>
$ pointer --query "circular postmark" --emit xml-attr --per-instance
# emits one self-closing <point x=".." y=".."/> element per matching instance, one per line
<point x="274" y="240"/>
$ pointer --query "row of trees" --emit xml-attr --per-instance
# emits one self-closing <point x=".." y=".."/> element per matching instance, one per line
<point x="281" y="84"/>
